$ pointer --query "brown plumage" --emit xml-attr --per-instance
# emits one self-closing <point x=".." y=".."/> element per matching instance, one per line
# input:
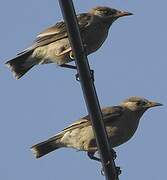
<point x="52" y="45"/>
<point x="121" y="123"/>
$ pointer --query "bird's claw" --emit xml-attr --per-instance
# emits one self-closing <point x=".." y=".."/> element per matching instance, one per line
<point x="102" y="172"/>
<point x="71" y="55"/>
<point x="114" y="154"/>
<point x="118" y="171"/>
<point x="77" y="77"/>
<point x="92" y="75"/>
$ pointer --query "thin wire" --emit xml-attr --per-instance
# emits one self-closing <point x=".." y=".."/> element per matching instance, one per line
<point x="89" y="90"/>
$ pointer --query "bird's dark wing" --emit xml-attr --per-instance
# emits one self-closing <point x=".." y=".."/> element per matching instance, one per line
<point x="58" y="31"/>
<point x="109" y="114"/>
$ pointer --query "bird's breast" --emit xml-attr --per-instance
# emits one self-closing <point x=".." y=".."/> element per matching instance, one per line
<point x="94" y="37"/>
<point x="122" y="130"/>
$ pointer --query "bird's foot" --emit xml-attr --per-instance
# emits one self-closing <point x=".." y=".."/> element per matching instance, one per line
<point x="92" y="76"/>
<point x="114" y="154"/>
<point x="68" y="66"/>
<point x="118" y="171"/>
<point x="77" y="75"/>
<point x="91" y="156"/>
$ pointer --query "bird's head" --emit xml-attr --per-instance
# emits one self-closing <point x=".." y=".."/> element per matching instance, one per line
<point x="139" y="104"/>
<point x="108" y="13"/>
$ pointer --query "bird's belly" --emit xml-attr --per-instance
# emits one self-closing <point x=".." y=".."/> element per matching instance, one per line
<point x="78" y="138"/>
<point x="118" y="136"/>
<point x="56" y="52"/>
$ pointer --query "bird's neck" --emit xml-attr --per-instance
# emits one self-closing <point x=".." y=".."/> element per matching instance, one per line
<point x="108" y="21"/>
<point x="133" y="120"/>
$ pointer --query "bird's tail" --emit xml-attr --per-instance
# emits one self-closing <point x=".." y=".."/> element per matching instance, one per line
<point x="21" y="64"/>
<point x="46" y="147"/>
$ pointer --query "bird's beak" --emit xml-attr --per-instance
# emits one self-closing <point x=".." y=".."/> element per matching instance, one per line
<point x="153" y="104"/>
<point x="122" y="13"/>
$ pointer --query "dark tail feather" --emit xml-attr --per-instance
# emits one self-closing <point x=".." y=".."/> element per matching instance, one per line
<point x="45" y="147"/>
<point x="21" y="64"/>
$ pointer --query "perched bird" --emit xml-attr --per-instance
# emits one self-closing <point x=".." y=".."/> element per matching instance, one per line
<point x="52" y="45"/>
<point x="121" y="122"/>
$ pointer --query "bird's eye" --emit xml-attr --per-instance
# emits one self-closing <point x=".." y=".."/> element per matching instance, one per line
<point x="141" y="103"/>
<point x="112" y="12"/>
<point x="108" y="13"/>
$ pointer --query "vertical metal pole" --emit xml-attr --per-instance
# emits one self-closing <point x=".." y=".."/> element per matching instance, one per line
<point x="88" y="88"/>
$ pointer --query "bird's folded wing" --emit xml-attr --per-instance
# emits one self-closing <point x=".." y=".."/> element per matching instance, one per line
<point x="109" y="114"/>
<point x="58" y="31"/>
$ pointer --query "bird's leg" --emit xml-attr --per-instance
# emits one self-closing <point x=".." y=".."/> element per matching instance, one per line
<point x="91" y="156"/>
<point x="68" y="66"/>
<point x="74" y="67"/>
<point x="77" y="75"/>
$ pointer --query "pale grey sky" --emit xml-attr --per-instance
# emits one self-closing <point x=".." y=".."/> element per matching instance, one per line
<point x="131" y="62"/>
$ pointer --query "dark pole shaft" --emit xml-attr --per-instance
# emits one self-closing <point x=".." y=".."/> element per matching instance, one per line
<point x="88" y="89"/>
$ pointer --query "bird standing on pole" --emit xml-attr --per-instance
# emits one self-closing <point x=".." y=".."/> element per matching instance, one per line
<point x="121" y="123"/>
<point x="52" y="45"/>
